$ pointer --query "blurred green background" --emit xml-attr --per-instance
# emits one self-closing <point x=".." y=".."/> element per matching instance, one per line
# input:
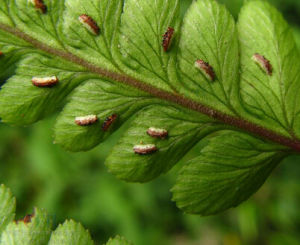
<point x="78" y="186"/>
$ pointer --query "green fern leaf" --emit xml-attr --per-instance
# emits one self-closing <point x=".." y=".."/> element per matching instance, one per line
<point x="70" y="233"/>
<point x="34" y="229"/>
<point x="175" y="83"/>
<point x="118" y="241"/>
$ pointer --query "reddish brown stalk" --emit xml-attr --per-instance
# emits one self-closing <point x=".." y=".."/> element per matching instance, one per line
<point x="162" y="94"/>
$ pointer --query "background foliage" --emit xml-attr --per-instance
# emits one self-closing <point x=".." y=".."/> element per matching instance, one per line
<point x="78" y="186"/>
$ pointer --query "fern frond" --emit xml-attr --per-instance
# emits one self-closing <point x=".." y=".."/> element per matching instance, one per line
<point x="111" y="62"/>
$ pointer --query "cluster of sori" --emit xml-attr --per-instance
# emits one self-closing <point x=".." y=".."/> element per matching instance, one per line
<point x="142" y="149"/>
<point x="159" y="133"/>
<point x="91" y="119"/>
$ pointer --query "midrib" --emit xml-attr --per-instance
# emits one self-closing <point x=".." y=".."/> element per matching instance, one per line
<point x="162" y="94"/>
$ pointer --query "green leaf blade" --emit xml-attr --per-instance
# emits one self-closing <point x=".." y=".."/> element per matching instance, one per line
<point x="273" y="99"/>
<point x="209" y="34"/>
<point x="22" y="103"/>
<point x="42" y="27"/>
<point x="143" y="25"/>
<point x="118" y="241"/>
<point x="229" y="170"/>
<point x="35" y="232"/>
<point x="98" y="49"/>
<point x="184" y="128"/>
<point x="70" y="233"/>
<point x="102" y="98"/>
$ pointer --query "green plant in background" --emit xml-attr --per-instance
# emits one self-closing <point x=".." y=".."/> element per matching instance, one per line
<point x="36" y="228"/>
<point x="76" y="186"/>
<point x="176" y="93"/>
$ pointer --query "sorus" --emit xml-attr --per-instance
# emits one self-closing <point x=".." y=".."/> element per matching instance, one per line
<point x="89" y="24"/>
<point x="263" y="63"/>
<point x="109" y="121"/>
<point x="157" y="133"/>
<point x="86" y="120"/>
<point x="167" y="39"/>
<point x="44" y="81"/>
<point x="26" y="219"/>
<point x="144" y="149"/>
<point x="206" y="69"/>
<point x="39" y="5"/>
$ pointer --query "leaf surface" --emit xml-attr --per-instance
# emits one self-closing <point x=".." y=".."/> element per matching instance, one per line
<point x="36" y="231"/>
<point x="102" y="98"/>
<point x="209" y="34"/>
<point x="118" y="241"/>
<point x="79" y="41"/>
<point x="70" y="233"/>
<point x="184" y="128"/>
<point x="228" y="170"/>
<point x="143" y="25"/>
<point x="21" y="103"/>
<point x="272" y="100"/>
